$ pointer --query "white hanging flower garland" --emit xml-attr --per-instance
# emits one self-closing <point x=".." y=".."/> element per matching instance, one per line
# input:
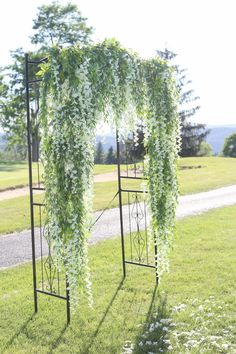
<point x="81" y="87"/>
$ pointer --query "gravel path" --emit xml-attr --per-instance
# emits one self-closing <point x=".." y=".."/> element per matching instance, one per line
<point x="16" y="248"/>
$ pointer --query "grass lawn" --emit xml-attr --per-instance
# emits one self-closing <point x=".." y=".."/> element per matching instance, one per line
<point x="193" y="310"/>
<point x="201" y="174"/>
<point x="214" y="172"/>
<point x="15" y="174"/>
<point x="196" y="173"/>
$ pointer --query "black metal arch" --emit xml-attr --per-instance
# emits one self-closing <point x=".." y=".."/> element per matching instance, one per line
<point x="135" y="246"/>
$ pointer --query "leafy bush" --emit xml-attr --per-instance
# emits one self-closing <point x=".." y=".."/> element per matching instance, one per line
<point x="229" y="148"/>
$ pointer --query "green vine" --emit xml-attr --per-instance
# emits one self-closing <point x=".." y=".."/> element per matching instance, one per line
<point x="82" y="86"/>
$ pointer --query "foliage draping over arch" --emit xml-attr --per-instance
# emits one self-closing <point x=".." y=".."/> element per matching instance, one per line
<point x="82" y="86"/>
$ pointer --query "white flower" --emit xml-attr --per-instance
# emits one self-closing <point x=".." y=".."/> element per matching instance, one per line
<point x="225" y="346"/>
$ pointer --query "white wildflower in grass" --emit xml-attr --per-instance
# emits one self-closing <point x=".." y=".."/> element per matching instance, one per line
<point x="148" y="342"/>
<point x="166" y="321"/>
<point x="179" y="308"/>
<point x="81" y="87"/>
<point x="187" y="336"/>
<point x="225" y="346"/>
<point x="128" y="348"/>
<point x="201" y="308"/>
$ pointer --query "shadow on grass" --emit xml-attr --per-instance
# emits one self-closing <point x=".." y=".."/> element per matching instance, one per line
<point x="23" y="329"/>
<point x="154" y="334"/>
<point x="19" y="332"/>
<point x="86" y="350"/>
<point x="57" y="341"/>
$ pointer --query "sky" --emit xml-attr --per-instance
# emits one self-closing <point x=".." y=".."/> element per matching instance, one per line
<point x="201" y="32"/>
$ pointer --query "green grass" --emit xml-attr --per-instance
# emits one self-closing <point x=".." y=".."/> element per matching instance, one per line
<point x="15" y="174"/>
<point x="15" y="215"/>
<point x="196" y="300"/>
<point x="15" y="212"/>
<point x="213" y="172"/>
<point x="98" y="169"/>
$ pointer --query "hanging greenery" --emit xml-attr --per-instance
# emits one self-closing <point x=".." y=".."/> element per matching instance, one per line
<point x="82" y="86"/>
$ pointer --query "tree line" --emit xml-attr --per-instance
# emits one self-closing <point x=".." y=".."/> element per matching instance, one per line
<point x="102" y="157"/>
<point x="64" y="25"/>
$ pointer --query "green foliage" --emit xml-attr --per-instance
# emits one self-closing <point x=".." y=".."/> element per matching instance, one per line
<point x="134" y="146"/>
<point x="99" y="156"/>
<point x="229" y="148"/>
<point x="81" y="86"/>
<point x="55" y="23"/>
<point x="12" y="107"/>
<point x="61" y="25"/>
<point x="111" y="157"/>
<point x="205" y="149"/>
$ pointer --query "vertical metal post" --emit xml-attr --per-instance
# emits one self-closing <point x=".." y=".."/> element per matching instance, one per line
<point x="67" y="301"/>
<point x="120" y="203"/>
<point x="29" y="131"/>
<point x="155" y="250"/>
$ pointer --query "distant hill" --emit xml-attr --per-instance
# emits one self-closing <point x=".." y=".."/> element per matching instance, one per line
<point x="217" y="136"/>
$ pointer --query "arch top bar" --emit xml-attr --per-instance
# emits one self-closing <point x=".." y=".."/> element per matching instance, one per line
<point x="38" y="61"/>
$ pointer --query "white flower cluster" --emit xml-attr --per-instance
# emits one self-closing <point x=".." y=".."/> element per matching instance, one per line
<point x="81" y="87"/>
<point x="163" y="144"/>
<point x="193" y="330"/>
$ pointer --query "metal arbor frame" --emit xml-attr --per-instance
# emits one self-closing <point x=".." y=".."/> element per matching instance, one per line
<point x="134" y="213"/>
<point x="46" y="277"/>
<point x="133" y="216"/>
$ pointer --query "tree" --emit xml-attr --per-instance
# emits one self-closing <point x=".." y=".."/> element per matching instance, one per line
<point x="192" y="134"/>
<point x="60" y="25"/>
<point x="99" y="156"/>
<point x="229" y="148"/>
<point x="12" y="106"/>
<point x="54" y="24"/>
<point x="135" y="145"/>
<point x="110" y="158"/>
<point x="205" y="149"/>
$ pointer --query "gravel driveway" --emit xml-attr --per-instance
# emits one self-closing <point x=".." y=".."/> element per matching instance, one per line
<point x="16" y="248"/>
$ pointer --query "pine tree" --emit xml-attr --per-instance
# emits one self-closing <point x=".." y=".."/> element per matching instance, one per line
<point x="110" y="158"/>
<point x="192" y="134"/>
<point x="135" y="145"/>
<point x="99" y="156"/>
